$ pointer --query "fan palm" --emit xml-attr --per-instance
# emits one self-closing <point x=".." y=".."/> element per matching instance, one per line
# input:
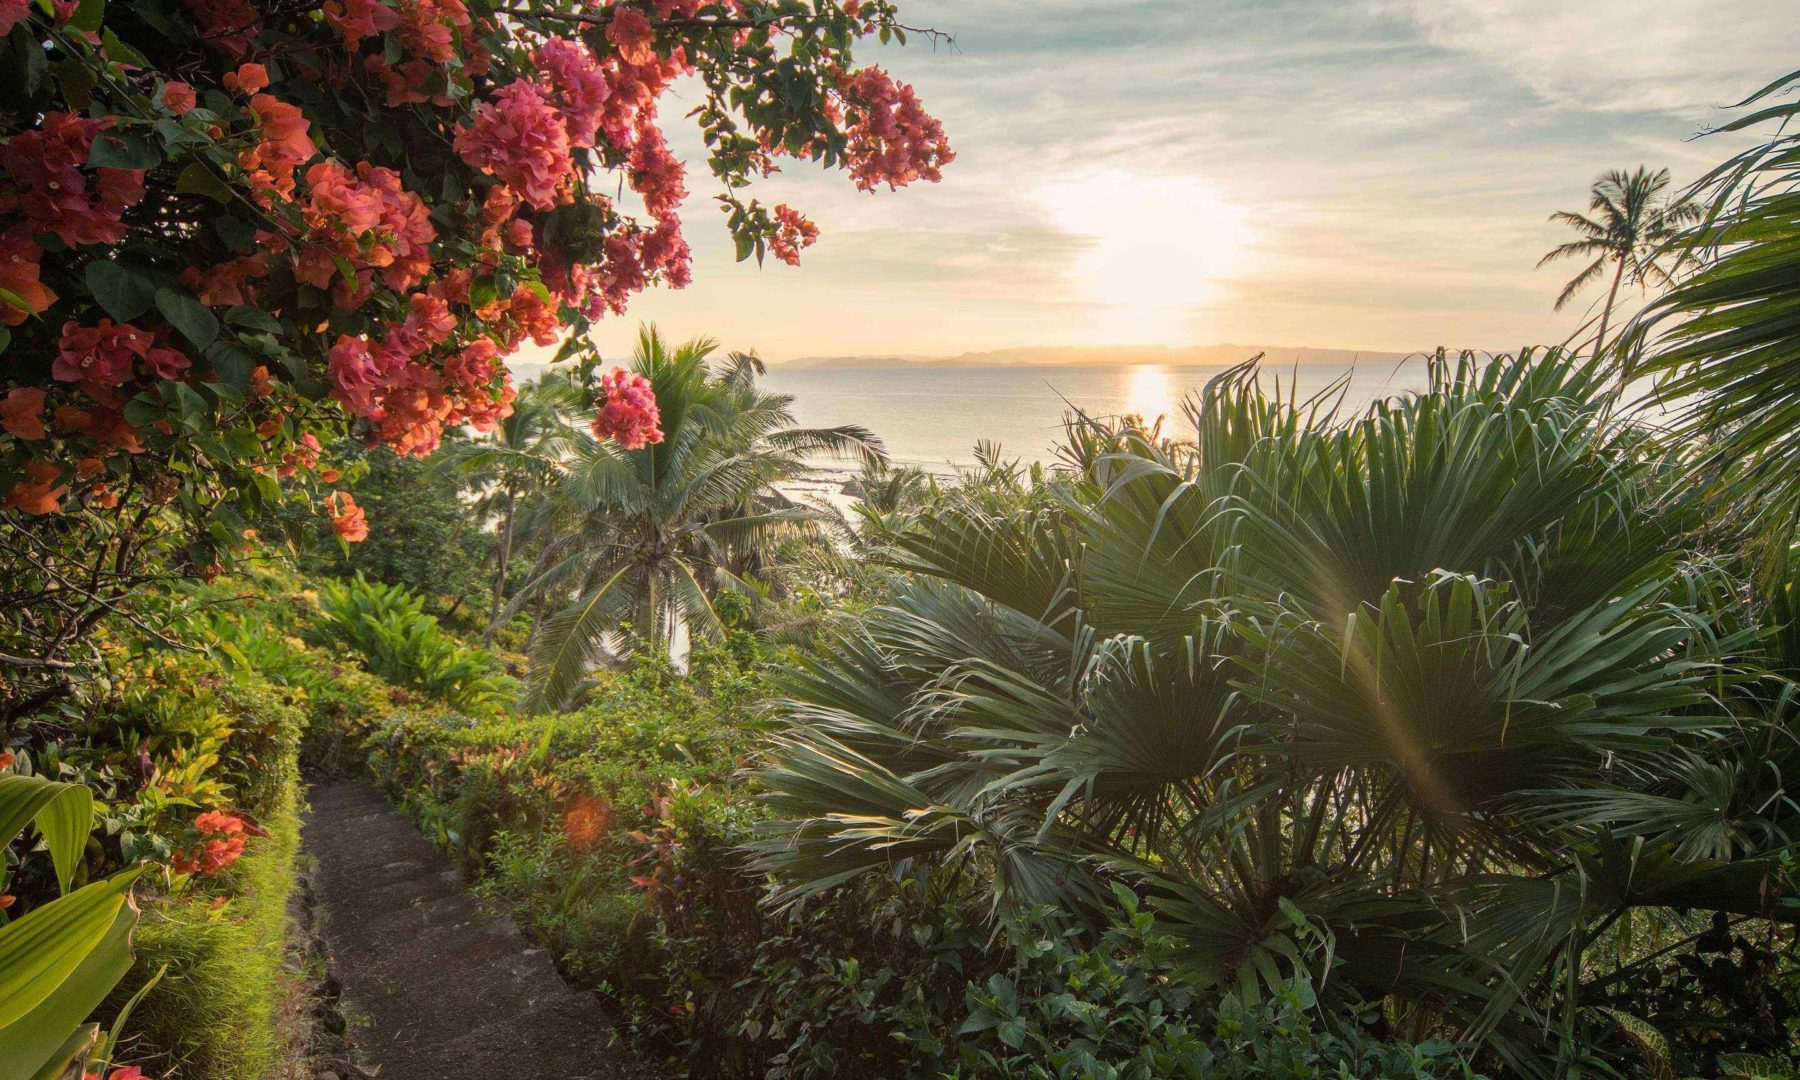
<point x="646" y="537"/>
<point x="1436" y="676"/>
<point x="1632" y="220"/>
<point x="518" y="459"/>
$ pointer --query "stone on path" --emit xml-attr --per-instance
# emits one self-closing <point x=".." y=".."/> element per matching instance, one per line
<point x="435" y="989"/>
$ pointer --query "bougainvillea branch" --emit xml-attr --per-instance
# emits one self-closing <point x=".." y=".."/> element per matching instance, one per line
<point x="233" y="231"/>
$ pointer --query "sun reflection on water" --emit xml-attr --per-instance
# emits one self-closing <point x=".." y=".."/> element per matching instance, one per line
<point x="1149" y="393"/>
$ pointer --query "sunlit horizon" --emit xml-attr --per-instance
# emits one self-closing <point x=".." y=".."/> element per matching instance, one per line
<point x="1353" y="174"/>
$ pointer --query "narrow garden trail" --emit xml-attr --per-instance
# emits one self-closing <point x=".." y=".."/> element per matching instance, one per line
<point x="435" y="989"/>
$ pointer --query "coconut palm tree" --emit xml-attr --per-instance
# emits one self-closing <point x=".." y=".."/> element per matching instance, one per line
<point x="1629" y="223"/>
<point x="520" y="458"/>
<point x="647" y="537"/>
<point x="1435" y="682"/>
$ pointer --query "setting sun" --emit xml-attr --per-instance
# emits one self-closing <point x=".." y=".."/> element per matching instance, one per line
<point x="1160" y="247"/>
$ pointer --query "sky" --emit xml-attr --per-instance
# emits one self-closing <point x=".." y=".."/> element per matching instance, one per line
<point x="1371" y="174"/>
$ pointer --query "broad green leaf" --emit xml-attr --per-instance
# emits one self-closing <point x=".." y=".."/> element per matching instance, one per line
<point x="50" y="946"/>
<point x="196" y="322"/>
<point x="89" y="16"/>
<point x="123" y="150"/>
<point x="72" y="1057"/>
<point x="125" y="293"/>
<point x="63" y="812"/>
<point x="68" y="965"/>
<point x="197" y="179"/>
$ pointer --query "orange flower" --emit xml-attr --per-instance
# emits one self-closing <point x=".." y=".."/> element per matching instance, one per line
<point x="7" y="900"/>
<point x="88" y="467"/>
<point x="218" y="821"/>
<point x="34" y="495"/>
<point x="347" y="517"/>
<point x="247" y="79"/>
<point x="6" y="759"/>
<point x="260" y="384"/>
<point x="22" y="412"/>
<point x="71" y="420"/>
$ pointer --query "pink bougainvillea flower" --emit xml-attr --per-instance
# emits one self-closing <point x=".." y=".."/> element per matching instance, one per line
<point x="893" y="140"/>
<point x="793" y="232"/>
<point x="22" y="413"/>
<point x="356" y="20"/>
<point x="19" y="268"/>
<point x="101" y="356"/>
<point x="520" y="138"/>
<point x="629" y="415"/>
<point x="631" y="32"/>
<point x="579" y="87"/>
<point x="50" y="186"/>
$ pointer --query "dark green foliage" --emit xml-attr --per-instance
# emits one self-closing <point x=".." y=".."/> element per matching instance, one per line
<point x="423" y="533"/>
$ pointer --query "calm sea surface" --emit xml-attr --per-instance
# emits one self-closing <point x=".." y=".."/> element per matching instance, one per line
<point x="933" y="416"/>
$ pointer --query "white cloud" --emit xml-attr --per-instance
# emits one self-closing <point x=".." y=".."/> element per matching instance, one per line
<point x="1683" y="56"/>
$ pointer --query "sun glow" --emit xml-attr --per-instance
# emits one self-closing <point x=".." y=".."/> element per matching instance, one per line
<point x="1148" y="392"/>
<point x="1161" y="248"/>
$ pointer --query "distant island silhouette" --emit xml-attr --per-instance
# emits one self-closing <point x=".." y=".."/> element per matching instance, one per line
<point x="1106" y="355"/>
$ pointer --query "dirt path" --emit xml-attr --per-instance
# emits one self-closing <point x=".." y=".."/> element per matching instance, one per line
<point x="435" y="989"/>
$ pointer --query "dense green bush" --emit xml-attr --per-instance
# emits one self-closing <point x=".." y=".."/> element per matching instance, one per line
<point x="387" y="627"/>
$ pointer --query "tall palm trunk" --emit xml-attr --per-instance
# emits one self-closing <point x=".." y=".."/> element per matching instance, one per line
<point x="1612" y="296"/>
<point x="503" y="556"/>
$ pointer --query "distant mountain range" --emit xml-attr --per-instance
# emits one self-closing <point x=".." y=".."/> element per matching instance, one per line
<point x="1068" y="356"/>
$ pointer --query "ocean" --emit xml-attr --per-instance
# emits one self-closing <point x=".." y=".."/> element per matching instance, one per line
<point x="932" y="417"/>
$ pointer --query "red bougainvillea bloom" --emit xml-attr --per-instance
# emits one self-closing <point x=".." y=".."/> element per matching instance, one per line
<point x="229" y="24"/>
<point x="51" y="190"/>
<point x="519" y="138"/>
<point x="179" y="98"/>
<point x="793" y="233"/>
<point x="359" y="19"/>
<point x="629" y="415"/>
<point x="37" y="493"/>
<point x="22" y="413"/>
<point x="99" y="357"/>
<point x="346" y="517"/>
<point x="19" y="269"/>
<point x="12" y="13"/>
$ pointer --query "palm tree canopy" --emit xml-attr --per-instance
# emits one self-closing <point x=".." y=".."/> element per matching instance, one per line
<point x="1630" y="220"/>
<point x="648" y="536"/>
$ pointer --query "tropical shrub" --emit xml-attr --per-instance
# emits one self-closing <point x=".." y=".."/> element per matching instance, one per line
<point x="387" y="627"/>
<point x="1439" y="676"/>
